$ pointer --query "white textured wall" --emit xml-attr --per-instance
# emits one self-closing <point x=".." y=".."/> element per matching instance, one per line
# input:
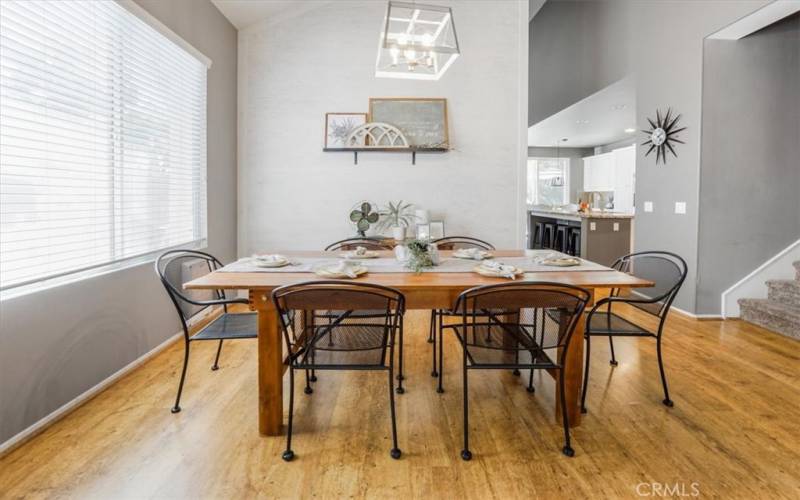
<point x="294" y="69"/>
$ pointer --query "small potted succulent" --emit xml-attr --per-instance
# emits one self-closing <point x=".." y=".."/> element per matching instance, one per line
<point x="397" y="216"/>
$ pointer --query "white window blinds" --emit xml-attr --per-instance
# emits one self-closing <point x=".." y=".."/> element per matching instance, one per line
<point x="102" y="139"/>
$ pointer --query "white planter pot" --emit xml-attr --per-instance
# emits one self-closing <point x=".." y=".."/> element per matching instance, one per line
<point x="399" y="233"/>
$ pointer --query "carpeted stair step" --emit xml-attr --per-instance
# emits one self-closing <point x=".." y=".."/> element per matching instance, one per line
<point x="785" y="292"/>
<point x="775" y="316"/>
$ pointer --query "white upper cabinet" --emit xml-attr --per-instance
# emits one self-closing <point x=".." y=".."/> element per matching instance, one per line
<point x="598" y="172"/>
<point x="624" y="178"/>
<point x="614" y="171"/>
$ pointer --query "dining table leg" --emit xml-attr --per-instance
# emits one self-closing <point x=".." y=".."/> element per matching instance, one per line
<point x="270" y="366"/>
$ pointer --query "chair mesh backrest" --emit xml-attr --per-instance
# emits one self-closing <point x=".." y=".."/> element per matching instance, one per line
<point x="361" y="318"/>
<point x="175" y="267"/>
<point x="530" y="316"/>
<point x="459" y="242"/>
<point x="665" y="269"/>
<point x="353" y="243"/>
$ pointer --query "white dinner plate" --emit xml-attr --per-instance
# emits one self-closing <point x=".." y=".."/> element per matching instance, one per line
<point x="369" y="254"/>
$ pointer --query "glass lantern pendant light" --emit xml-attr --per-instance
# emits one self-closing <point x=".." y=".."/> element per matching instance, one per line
<point x="418" y="42"/>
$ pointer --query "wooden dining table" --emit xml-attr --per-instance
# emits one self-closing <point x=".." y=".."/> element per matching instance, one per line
<point x="427" y="290"/>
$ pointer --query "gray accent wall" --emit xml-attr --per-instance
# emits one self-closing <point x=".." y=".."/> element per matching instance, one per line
<point x="750" y="169"/>
<point x="58" y="343"/>
<point x="579" y="47"/>
<point x="575" y="156"/>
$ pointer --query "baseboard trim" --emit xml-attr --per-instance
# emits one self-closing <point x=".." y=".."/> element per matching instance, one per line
<point x="701" y="317"/>
<point x="38" y="427"/>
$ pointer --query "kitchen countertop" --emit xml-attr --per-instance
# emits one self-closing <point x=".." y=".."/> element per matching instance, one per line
<point x="562" y="214"/>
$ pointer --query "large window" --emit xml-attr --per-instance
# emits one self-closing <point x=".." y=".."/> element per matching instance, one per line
<point x="102" y="139"/>
<point x="548" y="181"/>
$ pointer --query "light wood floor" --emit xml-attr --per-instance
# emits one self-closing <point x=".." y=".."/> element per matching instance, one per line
<point x="734" y="430"/>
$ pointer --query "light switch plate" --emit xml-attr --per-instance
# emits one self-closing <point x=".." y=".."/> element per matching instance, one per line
<point x="680" y="207"/>
<point x="616" y="226"/>
<point x="648" y="206"/>
<point x="592" y="226"/>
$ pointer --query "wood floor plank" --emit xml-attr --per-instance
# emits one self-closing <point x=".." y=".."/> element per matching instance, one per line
<point x="733" y="431"/>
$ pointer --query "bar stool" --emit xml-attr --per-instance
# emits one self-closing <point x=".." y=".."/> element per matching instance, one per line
<point x="574" y="241"/>
<point x="538" y="233"/>
<point x="560" y="240"/>
<point x="548" y="235"/>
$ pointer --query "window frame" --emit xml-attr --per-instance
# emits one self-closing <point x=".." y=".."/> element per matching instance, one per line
<point x="535" y="187"/>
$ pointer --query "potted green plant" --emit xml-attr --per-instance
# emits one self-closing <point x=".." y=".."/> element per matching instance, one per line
<point x="397" y="217"/>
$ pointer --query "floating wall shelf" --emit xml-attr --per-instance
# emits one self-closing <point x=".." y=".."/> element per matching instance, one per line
<point x="413" y="151"/>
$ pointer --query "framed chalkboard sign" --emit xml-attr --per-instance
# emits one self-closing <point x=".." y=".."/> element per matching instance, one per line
<point x="423" y="121"/>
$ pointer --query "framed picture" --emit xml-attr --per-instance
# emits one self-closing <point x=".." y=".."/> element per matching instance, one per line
<point x="423" y="121"/>
<point x="339" y="125"/>
<point x="437" y="229"/>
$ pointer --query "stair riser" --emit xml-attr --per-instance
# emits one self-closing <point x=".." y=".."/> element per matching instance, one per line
<point x="771" y="322"/>
<point x="785" y="293"/>
<point x="796" y="270"/>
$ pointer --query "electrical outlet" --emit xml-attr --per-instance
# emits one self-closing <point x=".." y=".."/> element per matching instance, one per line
<point x="592" y="226"/>
<point x="616" y="226"/>
<point x="648" y="206"/>
<point x="680" y="207"/>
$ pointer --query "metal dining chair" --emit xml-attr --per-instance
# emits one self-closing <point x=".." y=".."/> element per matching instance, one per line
<point x="451" y="243"/>
<point x="328" y="316"/>
<point x="668" y="271"/>
<point x="358" y="344"/>
<point x="227" y="326"/>
<point x="498" y="329"/>
<point x="353" y="243"/>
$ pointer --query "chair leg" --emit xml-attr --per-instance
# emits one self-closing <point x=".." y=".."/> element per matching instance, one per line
<point x="395" y="453"/>
<point x="440" y="388"/>
<point x="216" y="359"/>
<point x="611" y="345"/>
<point x="516" y="371"/>
<point x="177" y="407"/>
<point x="531" y="388"/>
<point x="308" y="389"/>
<point x="432" y="339"/>
<point x="586" y="373"/>
<point x="667" y="402"/>
<point x="465" y="453"/>
<point x="400" y="376"/>
<point x="567" y="450"/>
<point x="288" y="455"/>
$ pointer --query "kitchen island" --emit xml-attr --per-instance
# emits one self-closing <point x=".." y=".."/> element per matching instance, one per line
<point x="603" y="236"/>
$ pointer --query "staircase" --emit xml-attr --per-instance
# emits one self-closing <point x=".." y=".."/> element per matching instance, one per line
<point x="780" y="311"/>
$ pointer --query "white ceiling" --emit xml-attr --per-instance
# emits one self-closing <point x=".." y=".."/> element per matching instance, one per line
<point x="596" y="120"/>
<point x="243" y="13"/>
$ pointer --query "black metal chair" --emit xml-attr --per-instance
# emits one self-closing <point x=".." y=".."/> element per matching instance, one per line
<point x="458" y="242"/>
<point x="500" y="328"/>
<point x="668" y="271"/>
<point x="358" y="344"/>
<point x="227" y="326"/>
<point x="353" y="243"/>
<point x="451" y="243"/>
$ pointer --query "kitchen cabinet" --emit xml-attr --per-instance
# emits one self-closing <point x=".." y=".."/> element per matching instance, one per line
<point x="598" y="172"/>
<point x="615" y="172"/>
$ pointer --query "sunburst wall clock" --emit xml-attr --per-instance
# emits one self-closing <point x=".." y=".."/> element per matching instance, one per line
<point x="663" y="132"/>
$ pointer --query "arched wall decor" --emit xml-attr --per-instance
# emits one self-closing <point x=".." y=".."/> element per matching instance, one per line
<point x="377" y="135"/>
